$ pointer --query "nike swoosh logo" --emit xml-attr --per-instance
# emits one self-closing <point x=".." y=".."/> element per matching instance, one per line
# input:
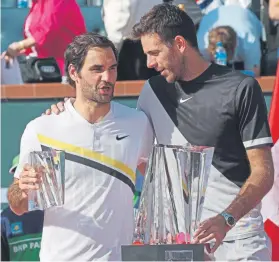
<point x="184" y="100"/>
<point x="120" y="137"/>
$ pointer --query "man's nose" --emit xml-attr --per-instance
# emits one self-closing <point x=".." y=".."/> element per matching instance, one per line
<point x="107" y="75"/>
<point x="151" y="62"/>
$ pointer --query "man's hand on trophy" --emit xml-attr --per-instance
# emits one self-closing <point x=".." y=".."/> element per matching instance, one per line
<point x="58" y="108"/>
<point x="212" y="228"/>
<point x="30" y="178"/>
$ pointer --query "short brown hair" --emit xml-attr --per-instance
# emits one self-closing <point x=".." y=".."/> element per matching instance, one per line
<point x="227" y="36"/>
<point x="167" y="21"/>
<point x="76" y="51"/>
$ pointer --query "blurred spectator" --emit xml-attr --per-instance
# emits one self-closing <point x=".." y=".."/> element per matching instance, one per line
<point x="248" y="29"/>
<point x="274" y="9"/>
<point x="274" y="15"/>
<point x="208" y="5"/>
<point x="49" y="27"/>
<point x="227" y="36"/>
<point x="20" y="235"/>
<point x="119" y="18"/>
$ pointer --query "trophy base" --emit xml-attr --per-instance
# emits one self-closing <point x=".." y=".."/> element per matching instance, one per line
<point x="172" y="252"/>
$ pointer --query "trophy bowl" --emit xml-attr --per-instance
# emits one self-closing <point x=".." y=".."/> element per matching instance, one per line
<point x="171" y="204"/>
<point x="51" y="192"/>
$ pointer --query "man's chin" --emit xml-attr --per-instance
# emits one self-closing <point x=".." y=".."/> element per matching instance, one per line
<point x="104" y="99"/>
<point x="170" y="79"/>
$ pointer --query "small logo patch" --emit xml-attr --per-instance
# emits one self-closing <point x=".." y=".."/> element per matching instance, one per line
<point x="120" y="137"/>
<point x="184" y="100"/>
<point x="16" y="228"/>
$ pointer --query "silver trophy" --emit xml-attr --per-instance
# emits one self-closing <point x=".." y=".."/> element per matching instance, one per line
<point x="51" y="166"/>
<point x="172" y="197"/>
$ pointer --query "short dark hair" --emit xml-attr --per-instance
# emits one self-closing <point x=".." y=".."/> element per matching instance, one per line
<point x="76" y="51"/>
<point x="168" y="21"/>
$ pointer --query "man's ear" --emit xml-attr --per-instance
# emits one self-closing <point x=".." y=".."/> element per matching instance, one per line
<point x="181" y="43"/>
<point x="73" y="73"/>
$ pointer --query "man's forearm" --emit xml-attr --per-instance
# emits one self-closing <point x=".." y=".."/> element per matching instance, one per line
<point x="18" y="202"/>
<point x="252" y="192"/>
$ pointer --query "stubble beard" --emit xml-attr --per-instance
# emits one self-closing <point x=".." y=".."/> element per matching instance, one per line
<point x="91" y="93"/>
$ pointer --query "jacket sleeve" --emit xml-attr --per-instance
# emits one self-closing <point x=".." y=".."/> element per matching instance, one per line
<point x="52" y="19"/>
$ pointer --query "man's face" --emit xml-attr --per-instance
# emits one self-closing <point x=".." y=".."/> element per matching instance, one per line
<point x="98" y="75"/>
<point x="166" y="59"/>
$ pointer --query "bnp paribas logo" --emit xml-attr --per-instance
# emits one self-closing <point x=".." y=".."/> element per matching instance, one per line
<point x="16" y="228"/>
